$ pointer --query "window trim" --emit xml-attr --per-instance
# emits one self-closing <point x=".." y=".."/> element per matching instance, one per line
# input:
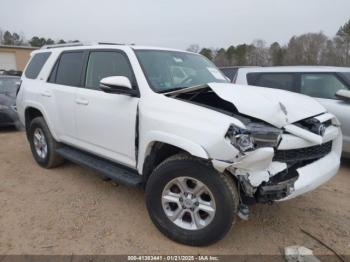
<point x="89" y="51"/>
<point x="296" y="80"/>
<point x="58" y="61"/>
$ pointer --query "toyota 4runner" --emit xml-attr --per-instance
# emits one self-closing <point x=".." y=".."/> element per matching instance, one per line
<point x="169" y="121"/>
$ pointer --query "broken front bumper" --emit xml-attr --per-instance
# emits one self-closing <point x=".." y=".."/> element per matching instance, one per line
<point x="296" y="167"/>
<point x="315" y="174"/>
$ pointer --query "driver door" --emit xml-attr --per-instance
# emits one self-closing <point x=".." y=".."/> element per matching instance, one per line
<point x="106" y="122"/>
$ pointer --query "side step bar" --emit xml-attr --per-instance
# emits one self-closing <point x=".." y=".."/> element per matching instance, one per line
<point x="115" y="172"/>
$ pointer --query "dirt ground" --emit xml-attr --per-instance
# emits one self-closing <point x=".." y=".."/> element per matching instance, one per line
<point x="70" y="210"/>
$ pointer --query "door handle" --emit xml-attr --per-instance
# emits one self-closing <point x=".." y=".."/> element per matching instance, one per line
<point x="46" y="93"/>
<point x="81" y="101"/>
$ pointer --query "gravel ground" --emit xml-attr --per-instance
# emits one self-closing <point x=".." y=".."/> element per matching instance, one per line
<point x="70" y="210"/>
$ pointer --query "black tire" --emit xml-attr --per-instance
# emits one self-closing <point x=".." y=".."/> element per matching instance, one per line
<point x="222" y="187"/>
<point x="52" y="159"/>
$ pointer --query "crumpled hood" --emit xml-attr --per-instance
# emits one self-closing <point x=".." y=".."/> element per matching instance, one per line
<point x="274" y="106"/>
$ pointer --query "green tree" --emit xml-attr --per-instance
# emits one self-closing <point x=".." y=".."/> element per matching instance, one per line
<point x="344" y="37"/>
<point x="221" y="58"/>
<point x="37" y="42"/>
<point x="276" y="54"/>
<point x="49" y="41"/>
<point x="8" y="38"/>
<point x="61" y="42"/>
<point x="207" y="52"/>
<point x="230" y="52"/>
<point x="240" y="54"/>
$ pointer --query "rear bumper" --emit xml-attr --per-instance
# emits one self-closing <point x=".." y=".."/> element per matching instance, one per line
<point x="315" y="174"/>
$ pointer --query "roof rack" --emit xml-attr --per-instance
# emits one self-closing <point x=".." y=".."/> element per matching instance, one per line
<point x="76" y="44"/>
<point x="63" y="45"/>
<point x="106" y="43"/>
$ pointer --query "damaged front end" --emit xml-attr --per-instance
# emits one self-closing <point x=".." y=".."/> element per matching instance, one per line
<point x="275" y="164"/>
<point x="285" y="145"/>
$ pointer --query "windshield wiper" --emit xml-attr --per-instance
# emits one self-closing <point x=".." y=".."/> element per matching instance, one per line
<point x="172" y="89"/>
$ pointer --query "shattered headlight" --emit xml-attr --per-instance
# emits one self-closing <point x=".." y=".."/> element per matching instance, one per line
<point x="256" y="135"/>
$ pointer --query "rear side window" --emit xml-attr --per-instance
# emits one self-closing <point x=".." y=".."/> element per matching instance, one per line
<point x="36" y="64"/>
<point x="70" y="69"/>
<point x="284" y="81"/>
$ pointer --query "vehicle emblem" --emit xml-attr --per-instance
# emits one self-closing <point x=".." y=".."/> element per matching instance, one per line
<point x="283" y="108"/>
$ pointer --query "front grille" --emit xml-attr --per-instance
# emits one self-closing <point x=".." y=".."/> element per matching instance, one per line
<point x="301" y="154"/>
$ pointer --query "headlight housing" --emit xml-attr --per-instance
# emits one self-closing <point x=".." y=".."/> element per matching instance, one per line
<point x="256" y="135"/>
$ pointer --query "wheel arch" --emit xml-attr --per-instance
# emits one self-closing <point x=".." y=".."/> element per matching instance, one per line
<point x="160" y="146"/>
<point x="32" y="112"/>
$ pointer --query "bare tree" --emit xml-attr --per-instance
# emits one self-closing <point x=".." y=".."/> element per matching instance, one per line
<point x="259" y="54"/>
<point x="193" y="48"/>
<point x="343" y="41"/>
<point x="307" y="49"/>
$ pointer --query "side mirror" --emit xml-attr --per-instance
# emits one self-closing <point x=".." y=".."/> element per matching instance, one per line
<point x="117" y="85"/>
<point x="343" y="94"/>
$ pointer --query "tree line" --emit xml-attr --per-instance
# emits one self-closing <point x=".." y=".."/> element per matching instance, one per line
<point x="306" y="49"/>
<point x="18" y="39"/>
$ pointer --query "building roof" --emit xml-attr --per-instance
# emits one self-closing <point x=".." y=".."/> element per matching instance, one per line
<point x="18" y="47"/>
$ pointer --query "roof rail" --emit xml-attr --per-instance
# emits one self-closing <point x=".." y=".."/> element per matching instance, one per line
<point x="106" y="43"/>
<point x="63" y="45"/>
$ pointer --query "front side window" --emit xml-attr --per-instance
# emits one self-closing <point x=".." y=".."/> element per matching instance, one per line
<point x="284" y="81"/>
<point x="70" y="69"/>
<point x="36" y="64"/>
<point x="170" y="70"/>
<point x="321" y="85"/>
<point x="106" y="63"/>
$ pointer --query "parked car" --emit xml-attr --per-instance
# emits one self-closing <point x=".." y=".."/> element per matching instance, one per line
<point x="330" y="86"/>
<point x="8" y="90"/>
<point x="202" y="148"/>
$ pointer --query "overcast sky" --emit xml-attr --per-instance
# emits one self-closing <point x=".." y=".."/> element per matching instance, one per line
<point x="173" y="23"/>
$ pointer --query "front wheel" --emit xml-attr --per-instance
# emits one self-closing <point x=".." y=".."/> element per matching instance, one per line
<point x="190" y="202"/>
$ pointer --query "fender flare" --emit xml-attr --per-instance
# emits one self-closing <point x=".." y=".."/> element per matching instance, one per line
<point x="44" y="114"/>
<point x="170" y="139"/>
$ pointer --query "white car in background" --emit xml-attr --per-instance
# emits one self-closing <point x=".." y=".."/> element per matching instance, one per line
<point x="330" y="86"/>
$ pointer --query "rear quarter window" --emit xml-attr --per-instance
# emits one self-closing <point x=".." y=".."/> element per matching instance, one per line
<point x="36" y="64"/>
<point x="230" y="72"/>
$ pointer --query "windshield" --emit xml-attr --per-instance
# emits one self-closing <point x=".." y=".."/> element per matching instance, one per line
<point x="8" y="85"/>
<point x="170" y="70"/>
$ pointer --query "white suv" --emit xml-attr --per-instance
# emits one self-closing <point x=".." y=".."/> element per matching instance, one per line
<point x="169" y="121"/>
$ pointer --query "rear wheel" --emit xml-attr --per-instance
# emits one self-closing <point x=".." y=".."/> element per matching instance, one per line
<point x="43" y="145"/>
<point x="190" y="202"/>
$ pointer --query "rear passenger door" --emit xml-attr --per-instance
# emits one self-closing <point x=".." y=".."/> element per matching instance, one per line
<point x="323" y="86"/>
<point x="106" y="123"/>
<point x="60" y="94"/>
